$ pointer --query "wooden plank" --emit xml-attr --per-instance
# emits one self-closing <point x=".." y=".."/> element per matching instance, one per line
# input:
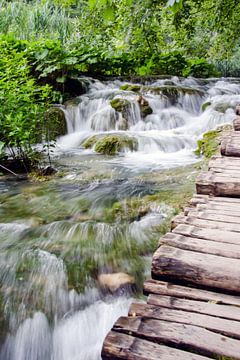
<point x="177" y="335"/>
<point x="220" y="199"/>
<point x="228" y="237"/>
<point x="236" y="124"/>
<point x="227" y="327"/>
<point x="123" y="346"/>
<point x="166" y="288"/>
<point x="207" y="224"/>
<point x="201" y="245"/>
<point x="230" y="148"/>
<point x="225" y="172"/>
<point x="210" y="183"/>
<point x="214" y="216"/>
<point x="220" y="208"/>
<point x="196" y="268"/>
<point x="207" y="308"/>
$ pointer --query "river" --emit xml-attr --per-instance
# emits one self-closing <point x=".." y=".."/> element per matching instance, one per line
<point x="101" y="214"/>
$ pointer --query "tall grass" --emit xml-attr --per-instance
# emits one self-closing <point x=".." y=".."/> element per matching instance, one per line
<point x="36" y="20"/>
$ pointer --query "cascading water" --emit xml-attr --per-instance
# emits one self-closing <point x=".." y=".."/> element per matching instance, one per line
<point x="100" y="217"/>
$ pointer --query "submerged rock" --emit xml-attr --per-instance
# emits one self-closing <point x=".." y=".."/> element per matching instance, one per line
<point x="115" y="281"/>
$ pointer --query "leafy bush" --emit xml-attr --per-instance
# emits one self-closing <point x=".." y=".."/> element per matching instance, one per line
<point x="199" y="67"/>
<point x="22" y="101"/>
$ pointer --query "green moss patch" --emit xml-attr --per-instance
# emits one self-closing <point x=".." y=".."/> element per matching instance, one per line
<point x="112" y="144"/>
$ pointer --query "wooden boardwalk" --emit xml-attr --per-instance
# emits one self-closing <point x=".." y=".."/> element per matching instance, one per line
<point x="193" y="305"/>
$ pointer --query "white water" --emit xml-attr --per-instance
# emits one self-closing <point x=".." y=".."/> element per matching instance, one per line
<point x="167" y="137"/>
<point x="46" y="319"/>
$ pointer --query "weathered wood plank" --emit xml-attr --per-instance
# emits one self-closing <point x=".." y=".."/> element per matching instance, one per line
<point x="166" y="288"/>
<point x="217" y="198"/>
<point x="121" y="346"/>
<point x="208" y="224"/>
<point x="222" y="311"/>
<point x="227" y="327"/>
<point x="196" y="268"/>
<point x="228" y="237"/>
<point x="201" y="245"/>
<point x="224" y="209"/>
<point x="236" y="124"/>
<point x="178" y="335"/>
<point x="210" y="183"/>
<point x="214" y="216"/>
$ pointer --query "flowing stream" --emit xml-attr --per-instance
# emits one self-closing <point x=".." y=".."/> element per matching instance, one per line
<point x="75" y="250"/>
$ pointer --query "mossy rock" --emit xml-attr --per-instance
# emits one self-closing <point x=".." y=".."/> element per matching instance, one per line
<point x="120" y="105"/>
<point x="56" y="123"/>
<point x="222" y="107"/>
<point x="206" y="105"/>
<point x="112" y="144"/>
<point x="131" y="87"/>
<point x="90" y="142"/>
<point x="209" y="144"/>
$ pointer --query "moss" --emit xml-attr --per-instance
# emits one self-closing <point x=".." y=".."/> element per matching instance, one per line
<point x="209" y="144"/>
<point x="120" y="105"/>
<point x="131" y="87"/>
<point x="206" y="105"/>
<point x="90" y="142"/>
<point x="112" y="144"/>
<point x="56" y="123"/>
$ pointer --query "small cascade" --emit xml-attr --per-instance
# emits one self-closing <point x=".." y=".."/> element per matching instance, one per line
<point x="176" y="112"/>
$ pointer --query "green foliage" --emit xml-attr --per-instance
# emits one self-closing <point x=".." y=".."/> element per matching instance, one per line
<point x="200" y="68"/>
<point x="22" y="101"/>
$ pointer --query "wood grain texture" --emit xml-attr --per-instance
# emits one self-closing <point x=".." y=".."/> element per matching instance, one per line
<point x="175" y="334"/>
<point x="167" y="288"/>
<point x="122" y="346"/>
<point x="196" y="268"/>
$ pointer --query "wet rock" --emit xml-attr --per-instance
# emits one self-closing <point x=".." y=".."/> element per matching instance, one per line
<point x="112" y="144"/>
<point x="56" y="123"/>
<point x="122" y="124"/>
<point x="144" y="106"/>
<point x="206" y="105"/>
<point x="222" y="107"/>
<point x="115" y="281"/>
<point x="120" y="105"/>
<point x="130" y="87"/>
<point x="172" y="92"/>
<point x="48" y="171"/>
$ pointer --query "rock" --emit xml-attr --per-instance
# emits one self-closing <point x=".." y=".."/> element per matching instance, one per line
<point x="48" y="171"/>
<point x="120" y="105"/>
<point x="56" y="123"/>
<point x="144" y="106"/>
<point x="122" y="124"/>
<point x="112" y="144"/>
<point x="90" y="142"/>
<point x="172" y="92"/>
<point x="113" y="282"/>
<point x="206" y="105"/>
<point x="131" y="87"/>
